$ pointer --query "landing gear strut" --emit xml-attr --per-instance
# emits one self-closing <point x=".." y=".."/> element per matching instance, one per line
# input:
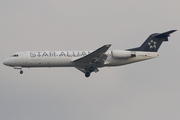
<point x="87" y="74"/>
<point x="21" y="72"/>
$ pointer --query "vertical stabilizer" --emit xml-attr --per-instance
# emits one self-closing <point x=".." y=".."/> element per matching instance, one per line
<point x="153" y="42"/>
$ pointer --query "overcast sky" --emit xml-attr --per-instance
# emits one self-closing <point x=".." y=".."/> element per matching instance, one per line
<point x="148" y="90"/>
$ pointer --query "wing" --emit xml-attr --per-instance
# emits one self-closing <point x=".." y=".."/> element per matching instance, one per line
<point x="96" y="58"/>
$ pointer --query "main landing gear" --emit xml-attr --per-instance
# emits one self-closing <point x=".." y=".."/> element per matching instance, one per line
<point x="87" y="74"/>
<point x="89" y="70"/>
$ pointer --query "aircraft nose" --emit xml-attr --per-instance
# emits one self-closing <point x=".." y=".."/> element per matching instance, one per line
<point x="7" y="62"/>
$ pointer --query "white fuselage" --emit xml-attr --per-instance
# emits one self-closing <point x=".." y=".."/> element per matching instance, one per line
<point x="65" y="58"/>
<point x="89" y="61"/>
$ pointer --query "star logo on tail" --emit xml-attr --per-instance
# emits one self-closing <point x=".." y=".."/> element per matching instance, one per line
<point x="152" y="44"/>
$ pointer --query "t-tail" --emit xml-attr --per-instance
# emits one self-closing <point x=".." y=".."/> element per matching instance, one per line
<point x="153" y="42"/>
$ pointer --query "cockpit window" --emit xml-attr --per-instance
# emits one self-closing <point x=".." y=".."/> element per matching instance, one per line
<point x="15" y="55"/>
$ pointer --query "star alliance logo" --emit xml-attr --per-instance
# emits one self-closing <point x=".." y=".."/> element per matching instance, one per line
<point x="152" y="44"/>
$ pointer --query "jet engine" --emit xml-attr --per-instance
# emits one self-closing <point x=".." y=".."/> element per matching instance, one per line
<point x="122" y="54"/>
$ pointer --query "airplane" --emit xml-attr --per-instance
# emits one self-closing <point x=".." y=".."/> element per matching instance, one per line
<point x="88" y="61"/>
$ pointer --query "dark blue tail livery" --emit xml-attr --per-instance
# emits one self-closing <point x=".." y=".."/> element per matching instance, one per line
<point x="153" y="42"/>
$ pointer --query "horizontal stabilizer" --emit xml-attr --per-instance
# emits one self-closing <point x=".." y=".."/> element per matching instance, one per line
<point x="165" y="34"/>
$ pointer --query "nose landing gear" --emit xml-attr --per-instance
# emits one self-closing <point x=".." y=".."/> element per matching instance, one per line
<point x="21" y="72"/>
<point x="20" y="68"/>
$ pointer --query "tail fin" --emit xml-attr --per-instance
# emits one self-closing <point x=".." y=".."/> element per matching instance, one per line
<point x="153" y="42"/>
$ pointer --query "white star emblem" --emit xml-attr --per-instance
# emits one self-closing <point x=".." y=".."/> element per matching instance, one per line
<point x="152" y="44"/>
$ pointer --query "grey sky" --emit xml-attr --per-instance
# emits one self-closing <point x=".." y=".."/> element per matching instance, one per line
<point x="148" y="90"/>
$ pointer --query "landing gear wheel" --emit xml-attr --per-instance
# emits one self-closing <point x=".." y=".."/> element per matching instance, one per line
<point x="21" y="72"/>
<point x="91" y="69"/>
<point x="87" y="74"/>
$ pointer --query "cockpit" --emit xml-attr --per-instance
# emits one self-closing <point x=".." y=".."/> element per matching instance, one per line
<point x="15" y="55"/>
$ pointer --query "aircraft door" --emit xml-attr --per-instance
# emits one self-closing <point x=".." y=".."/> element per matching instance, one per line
<point x="24" y="57"/>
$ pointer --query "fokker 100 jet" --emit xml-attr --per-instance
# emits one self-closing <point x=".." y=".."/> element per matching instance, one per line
<point x="88" y="61"/>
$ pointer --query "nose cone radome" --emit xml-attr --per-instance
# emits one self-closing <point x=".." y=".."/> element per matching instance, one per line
<point x="8" y="62"/>
<point x="5" y="62"/>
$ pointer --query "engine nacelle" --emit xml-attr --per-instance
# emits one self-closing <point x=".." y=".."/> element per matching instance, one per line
<point x="122" y="54"/>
